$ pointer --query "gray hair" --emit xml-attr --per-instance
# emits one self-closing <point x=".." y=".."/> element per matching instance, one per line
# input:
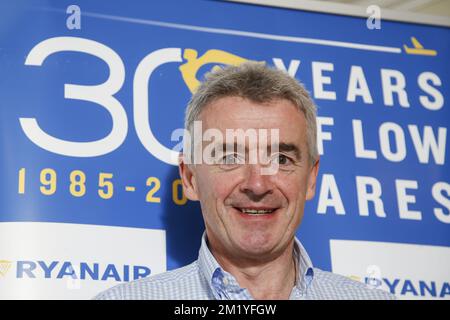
<point x="258" y="83"/>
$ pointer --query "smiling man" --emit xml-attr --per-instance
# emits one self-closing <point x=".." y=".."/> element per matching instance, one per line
<point x="249" y="249"/>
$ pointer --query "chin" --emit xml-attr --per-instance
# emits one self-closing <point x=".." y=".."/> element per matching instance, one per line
<point x="257" y="244"/>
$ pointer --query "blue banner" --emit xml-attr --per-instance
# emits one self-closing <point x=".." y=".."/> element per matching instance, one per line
<point x="91" y="96"/>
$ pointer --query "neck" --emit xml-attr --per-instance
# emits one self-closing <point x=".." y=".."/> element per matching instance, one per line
<point x="271" y="278"/>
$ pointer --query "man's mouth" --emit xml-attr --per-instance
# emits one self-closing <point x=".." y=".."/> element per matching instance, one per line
<point x="254" y="211"/>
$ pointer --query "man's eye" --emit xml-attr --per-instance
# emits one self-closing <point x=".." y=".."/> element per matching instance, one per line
<point x="283" y="159"/>
<point x="231" y="158"/>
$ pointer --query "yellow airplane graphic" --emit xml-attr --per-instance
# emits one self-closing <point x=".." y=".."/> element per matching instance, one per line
<point x="419" y="49"/>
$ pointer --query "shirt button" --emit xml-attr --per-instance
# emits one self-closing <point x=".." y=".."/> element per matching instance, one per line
<point x="225" y="281"/>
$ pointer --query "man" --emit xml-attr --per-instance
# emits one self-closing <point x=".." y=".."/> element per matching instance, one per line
<point x="249" y="249"/>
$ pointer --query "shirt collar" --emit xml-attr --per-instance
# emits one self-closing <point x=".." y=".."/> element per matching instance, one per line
<point x="223" y="284"/>
<point x="305" y="272"/>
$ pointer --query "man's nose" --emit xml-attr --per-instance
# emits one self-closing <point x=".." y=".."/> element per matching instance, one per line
<point x="256" y="185"/>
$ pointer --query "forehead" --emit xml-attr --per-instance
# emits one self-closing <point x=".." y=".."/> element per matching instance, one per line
<point x="239" y="113"/>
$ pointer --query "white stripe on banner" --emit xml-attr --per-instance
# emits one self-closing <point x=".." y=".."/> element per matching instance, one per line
<point x="258" y="35"/>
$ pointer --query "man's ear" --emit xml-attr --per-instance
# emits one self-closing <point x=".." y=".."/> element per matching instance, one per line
<point x="312" y="179"/>
<point x="188" y="179"/>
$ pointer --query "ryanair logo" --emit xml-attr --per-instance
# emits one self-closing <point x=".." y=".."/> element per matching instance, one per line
<point x="408" y="287"/>
<point x="5" y="265"/>
<point x="27" y="269"/>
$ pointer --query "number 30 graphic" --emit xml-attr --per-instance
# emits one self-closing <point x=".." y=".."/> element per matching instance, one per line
<point x="102" y="94"/>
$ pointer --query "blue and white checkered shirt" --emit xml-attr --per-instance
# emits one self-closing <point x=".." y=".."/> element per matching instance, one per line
<point x="205" y="279"/>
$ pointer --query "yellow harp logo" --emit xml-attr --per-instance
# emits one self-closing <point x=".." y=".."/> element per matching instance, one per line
<point x="194" y="63"/>
<point x="4" y="267"/>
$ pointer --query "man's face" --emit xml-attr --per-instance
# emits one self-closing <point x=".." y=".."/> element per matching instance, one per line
<point x="230" y="194"/>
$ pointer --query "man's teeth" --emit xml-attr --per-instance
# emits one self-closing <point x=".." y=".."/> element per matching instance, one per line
<point x="253" y="211"/>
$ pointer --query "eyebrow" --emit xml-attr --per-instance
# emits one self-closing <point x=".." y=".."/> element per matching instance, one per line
<point x="226" y="146"/>
<point x="289" y="148"/>
<point x="282" y="147"/>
